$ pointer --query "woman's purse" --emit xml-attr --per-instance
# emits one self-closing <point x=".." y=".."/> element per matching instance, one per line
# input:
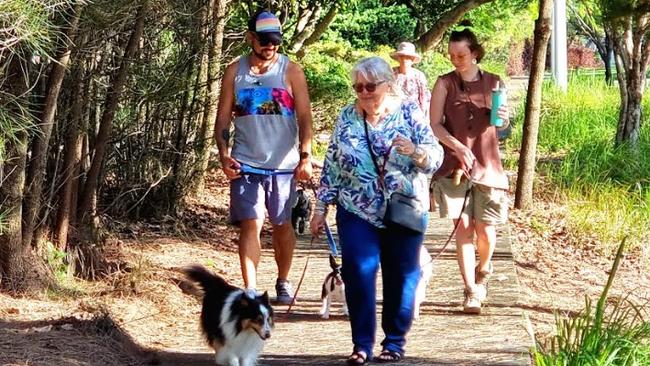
<point x="405" y="211"/>
<point x="402" y="210"/>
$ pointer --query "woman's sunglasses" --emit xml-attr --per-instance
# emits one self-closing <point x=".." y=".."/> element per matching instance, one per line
<point x="370" y="87"/>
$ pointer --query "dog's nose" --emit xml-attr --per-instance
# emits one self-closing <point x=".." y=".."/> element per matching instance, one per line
<point x="267" y="335"/>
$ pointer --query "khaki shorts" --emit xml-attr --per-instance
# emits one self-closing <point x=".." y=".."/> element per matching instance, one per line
<point x="485" y="204"/>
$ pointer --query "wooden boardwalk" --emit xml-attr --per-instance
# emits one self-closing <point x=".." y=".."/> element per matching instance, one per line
<point x="442" y="336"/>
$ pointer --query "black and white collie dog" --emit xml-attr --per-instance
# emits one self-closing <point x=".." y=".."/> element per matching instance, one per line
<point x="301" y="212"/>
<point x="333" y="290"/>
<point x="236" y="322"/>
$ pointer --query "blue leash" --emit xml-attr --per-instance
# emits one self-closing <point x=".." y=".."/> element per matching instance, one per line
<point x="247" y="169"/>
<point x="330" y="241"/>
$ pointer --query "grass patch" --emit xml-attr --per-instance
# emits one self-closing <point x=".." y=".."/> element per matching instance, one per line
<point x="615" y="332"/>
<point x="606" y="187"/>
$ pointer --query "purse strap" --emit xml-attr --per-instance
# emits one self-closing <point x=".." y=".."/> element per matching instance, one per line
<point x="380" y="172"/>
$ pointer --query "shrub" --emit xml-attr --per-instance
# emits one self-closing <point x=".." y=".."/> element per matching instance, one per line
<point x="615" y="332"/>
<point x="606" y="187"/>
<point x="579" y="56"/>
<point x="381" y="25"/>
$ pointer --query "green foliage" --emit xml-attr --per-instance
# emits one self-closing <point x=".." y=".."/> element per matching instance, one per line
<point x="26" y="25"/>
<point x="327" y="68"/>
<point x="606" y="187"/>
<point x="56" y="260"/>
<point x="370" y="27"/>
<point x="615" y="332"/>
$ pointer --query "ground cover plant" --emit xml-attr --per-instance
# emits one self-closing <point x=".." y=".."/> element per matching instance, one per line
<point x="606" y="187"/>
<point x="614" y="332"/>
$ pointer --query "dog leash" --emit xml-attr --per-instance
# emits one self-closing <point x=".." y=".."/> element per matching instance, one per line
<point x="470" y="184"/>
<point x="302" y="277"/>
<point x="332" y="245"/>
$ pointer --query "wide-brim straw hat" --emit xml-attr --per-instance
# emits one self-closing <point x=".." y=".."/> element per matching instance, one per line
<point x="406" y="49"/>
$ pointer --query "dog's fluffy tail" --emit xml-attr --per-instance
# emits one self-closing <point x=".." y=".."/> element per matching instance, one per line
<point x="209" y="281"/>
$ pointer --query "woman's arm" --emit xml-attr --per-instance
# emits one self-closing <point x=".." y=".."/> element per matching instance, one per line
<point x="436" y="112"/>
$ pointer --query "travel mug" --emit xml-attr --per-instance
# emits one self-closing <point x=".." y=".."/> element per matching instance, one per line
<point x="498" y="99"/>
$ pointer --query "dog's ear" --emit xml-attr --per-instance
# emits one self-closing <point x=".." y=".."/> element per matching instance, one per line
<point x="244" y="301"/>
<point x="333" y="263"/>
<point x="265" y="298"/>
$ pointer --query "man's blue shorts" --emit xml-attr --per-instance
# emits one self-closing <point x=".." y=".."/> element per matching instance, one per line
<point x="251" y="194"/>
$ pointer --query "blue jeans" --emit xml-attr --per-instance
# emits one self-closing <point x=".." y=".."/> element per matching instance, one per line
<point x="364" y="247"/>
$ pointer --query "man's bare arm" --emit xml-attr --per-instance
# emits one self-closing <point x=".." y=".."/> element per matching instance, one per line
<point x="224" y="118"/>
<point x="298" y="82"/>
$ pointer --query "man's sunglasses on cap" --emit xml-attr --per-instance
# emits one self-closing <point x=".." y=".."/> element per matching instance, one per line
<point x="266" y="39"/>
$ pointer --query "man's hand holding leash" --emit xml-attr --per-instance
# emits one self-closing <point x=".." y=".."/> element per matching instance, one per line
<point x="230" y="167"/>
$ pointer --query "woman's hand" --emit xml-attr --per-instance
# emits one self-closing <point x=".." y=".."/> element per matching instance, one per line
<point x="465" y="156"/>
<point x="317" y="224"/>
<point x="504" y="113"/>
<point x="403" y="145"/>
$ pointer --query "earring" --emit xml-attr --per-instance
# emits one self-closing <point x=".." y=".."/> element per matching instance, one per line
<point x="474" y="61"/>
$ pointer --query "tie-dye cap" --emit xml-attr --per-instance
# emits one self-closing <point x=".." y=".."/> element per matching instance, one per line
<point x="267" y="22"/>
<point x="267" y="26"/>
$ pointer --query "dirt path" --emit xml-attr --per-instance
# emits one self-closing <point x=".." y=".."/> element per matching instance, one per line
<point x="442" y="336"/>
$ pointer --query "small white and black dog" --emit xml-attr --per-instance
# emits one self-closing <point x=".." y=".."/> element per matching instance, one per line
<point x="301" y="212"/>
<point x="333" y="290"/>
<point x="426" y="265"/>
<point x="235" y="322"/>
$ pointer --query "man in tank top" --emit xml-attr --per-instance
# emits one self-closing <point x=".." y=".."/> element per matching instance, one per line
<point x="264" y="95"/>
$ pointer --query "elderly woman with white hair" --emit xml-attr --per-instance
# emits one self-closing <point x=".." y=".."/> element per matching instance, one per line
<point x="381" y="145"/>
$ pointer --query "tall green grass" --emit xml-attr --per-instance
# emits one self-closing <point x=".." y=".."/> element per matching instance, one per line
<point x="615" y="332"/>
<point x="606" y="187"/>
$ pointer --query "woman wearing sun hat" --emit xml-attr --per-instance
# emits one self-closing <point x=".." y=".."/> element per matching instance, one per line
<point x="411" y="81"/>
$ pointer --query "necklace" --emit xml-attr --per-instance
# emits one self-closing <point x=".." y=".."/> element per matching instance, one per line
<point x="472" y="109"/>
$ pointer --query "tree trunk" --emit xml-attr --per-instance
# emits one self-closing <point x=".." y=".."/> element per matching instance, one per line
<point x="12" y="180"/>
<point x="527" y="157"/>
<point x="40" y="147"/>
<point x="304" y="28"/>
<point x="633" y="54"/>
<point x="204" y="141"/>
<point x="607" y="60"/>
<point x="629" y="124"/>
<point x="112" y="100"/>
<point x="71" y="160"/>
<point x="433" y="36"/>
<point x="320" y="28"/>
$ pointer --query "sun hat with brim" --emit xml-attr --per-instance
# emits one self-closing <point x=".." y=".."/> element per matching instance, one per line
<point x="266" y="25"/>
<point x="406" y="49"/>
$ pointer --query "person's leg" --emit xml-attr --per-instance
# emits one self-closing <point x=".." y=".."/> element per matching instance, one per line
<point x="400" y="266"/>
<point x="247" y="210"/>
<point x="360" y="261"/>
<point x="280" y="194"/>
<point x="491" y="210"/>
<point x="465" y="252"/>
<point x="250" y="250"/>
<point x="486" y="241"/>
<point x="284" y="242"/>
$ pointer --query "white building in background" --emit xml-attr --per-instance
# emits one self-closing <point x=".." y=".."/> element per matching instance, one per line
<point x="559" y="62"/>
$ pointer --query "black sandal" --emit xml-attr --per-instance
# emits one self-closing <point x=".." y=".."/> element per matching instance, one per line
<point x="388" y="356"/>
<point x="357" y="358"/>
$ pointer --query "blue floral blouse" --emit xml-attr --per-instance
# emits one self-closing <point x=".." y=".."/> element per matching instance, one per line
<point x="349" y="176"/>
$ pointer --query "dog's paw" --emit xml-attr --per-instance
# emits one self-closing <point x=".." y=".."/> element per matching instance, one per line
<point x="325" y="315"/>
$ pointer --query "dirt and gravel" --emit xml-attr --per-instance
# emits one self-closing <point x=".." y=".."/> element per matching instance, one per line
<point x="141" y="316"/>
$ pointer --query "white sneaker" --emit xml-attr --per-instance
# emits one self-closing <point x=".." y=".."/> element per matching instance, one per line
<point x="472" y="303"/>
<point x="481" y="292"/>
